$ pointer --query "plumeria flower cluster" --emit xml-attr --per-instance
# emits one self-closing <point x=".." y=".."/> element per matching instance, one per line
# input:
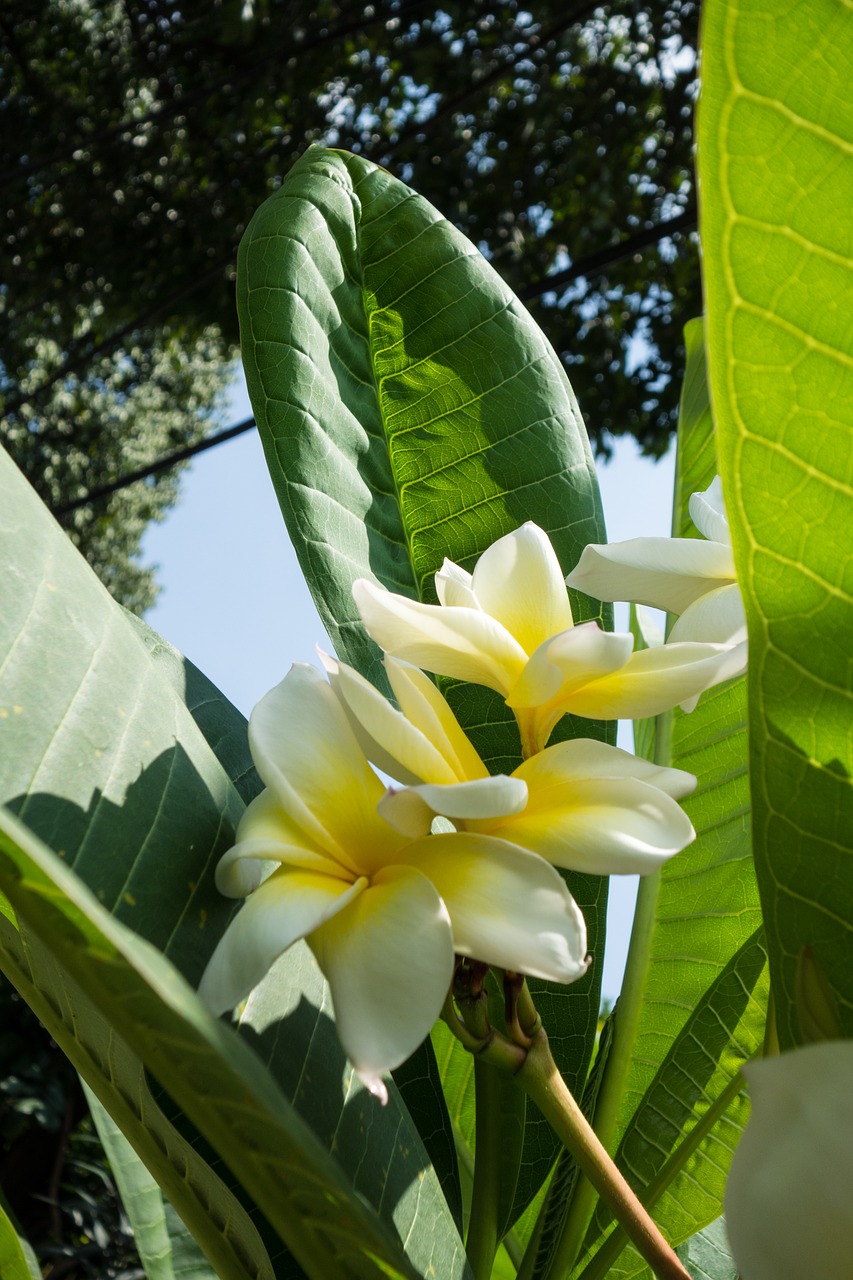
<point x="509" y="626"/>
<point x="390" y="886"/>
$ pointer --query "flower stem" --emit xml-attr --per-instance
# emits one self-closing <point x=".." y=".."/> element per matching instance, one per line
<point x="625" y="1026"/>
<point x="482" y="1242"/>
<point x="599" y="1267"/>
<point x="540" y="1078"/>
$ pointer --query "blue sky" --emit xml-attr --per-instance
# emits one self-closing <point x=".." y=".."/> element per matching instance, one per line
<point x="233" y="599"/>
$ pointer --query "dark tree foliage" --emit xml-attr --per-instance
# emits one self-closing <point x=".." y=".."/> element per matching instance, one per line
<point x="54" y="1181"/>
<point x="138" y="139"/>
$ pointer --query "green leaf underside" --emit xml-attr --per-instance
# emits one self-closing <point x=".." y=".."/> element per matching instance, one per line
<point x="776" y="144"/>
<point x="410" y="410"/>
<point x="706" y="922"/>
<point x="706" y="1255"/>
<point x="104" y="990"/>
<point x="166" y="1249"/>
<point x="110" y="768"/>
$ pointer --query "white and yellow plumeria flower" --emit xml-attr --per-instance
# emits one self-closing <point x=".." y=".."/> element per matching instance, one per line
<point x="692" y="577"/>
<point x="582" y="805"/>
<point x="789" y="1196"/>
<point x="509" y="626"/>
<point x="382" y="913"/>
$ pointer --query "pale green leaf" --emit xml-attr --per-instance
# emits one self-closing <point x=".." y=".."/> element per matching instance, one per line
<point x="166" y="1248"/>
<point x="776" y="171"/>
<point x="106" y="988"/>
<point x="707" y="1256"/>
<point x="104" y="760"/>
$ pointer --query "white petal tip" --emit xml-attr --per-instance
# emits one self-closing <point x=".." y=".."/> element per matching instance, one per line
<point x="376" y="1086"/>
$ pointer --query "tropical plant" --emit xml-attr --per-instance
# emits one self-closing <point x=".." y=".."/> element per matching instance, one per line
<point x="423" y="438"/>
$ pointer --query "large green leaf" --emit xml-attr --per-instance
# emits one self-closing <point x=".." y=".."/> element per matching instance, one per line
<point x="103" y="760"/>
<point x="408" y="405"/>
<point x="776" y="170"/>
<point x="410" y="409"/>
<point x="102" y="991"/>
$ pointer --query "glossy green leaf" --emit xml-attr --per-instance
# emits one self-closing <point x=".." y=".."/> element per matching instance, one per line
<point x="776" y="170"/>
<point x="166" y="1248"/>
<point x="410" y="409"/>
<point x="704" y="994"/>
<point x="103" y="760"/>
<point x="17" y="1260"/>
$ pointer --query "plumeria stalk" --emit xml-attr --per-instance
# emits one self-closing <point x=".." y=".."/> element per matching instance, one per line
<point x="523" y="1051"/>
<point x="383" y="914"/>
<point x="509" y="626"/>
<point x="582" y="805"/>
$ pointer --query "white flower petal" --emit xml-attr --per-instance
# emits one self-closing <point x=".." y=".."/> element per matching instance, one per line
<point x="583" y="758"/>
<point x="412" y="809"/>
<point x="422" y="703"/>
<point x="654" y="680"/>
<point x="388" y="959"/>
<point x="463" y="643"/>
<point x="650" y="629"/>
<point x="266" y="837"/>
<point x="453" y="586"/>
<point x="518" y="581"/>
<point x="388" y="738"/>
<point x="310" y="759"/>
<point x="788" y="1202"/>
<point x="569" y="661"/>
<point x="708" y="513"/>
<point x="731" y="665"/>
<point x="715" y="618"/>
<point x="287" y="906"/>
<point x="602" y="826"/>
<point x="508" y="907"/>
<point x="665" y="573"/>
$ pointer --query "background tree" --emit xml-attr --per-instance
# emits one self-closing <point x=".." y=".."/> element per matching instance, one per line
<point x="140" y="137"/>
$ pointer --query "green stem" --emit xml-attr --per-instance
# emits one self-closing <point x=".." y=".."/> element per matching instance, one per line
<point x="540" y="1078"/>
<point x="600" y="1265"/>
<point x="625" y="1027"/>
<point x="482" y="1243"/>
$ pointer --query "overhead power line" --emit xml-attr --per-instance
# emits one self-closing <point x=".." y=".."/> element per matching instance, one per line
<point x="162" y="464"/>
<point x="595" y="262"/>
